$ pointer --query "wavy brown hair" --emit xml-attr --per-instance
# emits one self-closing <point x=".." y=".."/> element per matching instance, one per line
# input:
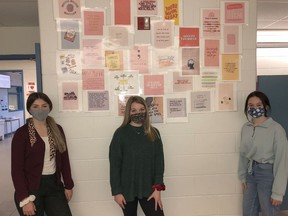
<point x="149" y="130"/>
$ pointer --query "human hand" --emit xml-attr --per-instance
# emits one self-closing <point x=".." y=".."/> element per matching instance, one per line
<point x="276" y="202"/>
<point x="244" y="186"/>
<point x="68" y="194"/>
<point x="29" y="209"/>
<point x="120" y="200"/>
<point x="157" y="197"/>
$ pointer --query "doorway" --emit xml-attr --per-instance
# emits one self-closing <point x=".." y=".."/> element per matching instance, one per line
<point x="26" y="71"/>
<point x="12" y="102"/>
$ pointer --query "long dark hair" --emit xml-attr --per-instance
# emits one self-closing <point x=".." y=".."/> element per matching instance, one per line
<point x="149" y="130"/>
<point x="55" y="131"/>
<point x="38" y="95"/>
<point x="264" y="99"/>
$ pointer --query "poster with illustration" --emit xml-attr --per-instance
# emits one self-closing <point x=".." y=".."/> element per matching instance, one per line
<point x="124" y="82"/>
<point x="226" y="96"/>
<point x="31" y="86"/>
<point x="68" y="63"/>
<point x="155" y="109"/>
<point x="70" y="97"/>
<point x="164" y="59"/>
<point x="67" y="9"/>
<point x="69" y="32"/>
<point x="143" y="23"/>
<point x="190" y="63"/>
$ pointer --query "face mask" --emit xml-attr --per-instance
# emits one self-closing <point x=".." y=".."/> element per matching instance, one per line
<point x="138" y="118"/>
<point x="256" y="112"/>
<point x="40" y="115"/>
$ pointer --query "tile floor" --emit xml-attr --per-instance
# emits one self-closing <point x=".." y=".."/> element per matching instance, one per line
<point x="7" y="206"/>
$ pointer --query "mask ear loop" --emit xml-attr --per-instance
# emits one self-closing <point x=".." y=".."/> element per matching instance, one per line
<point x="249" y="117"/>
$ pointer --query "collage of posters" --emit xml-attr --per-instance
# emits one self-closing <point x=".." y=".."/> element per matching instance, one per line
<point x="177" y="70"/>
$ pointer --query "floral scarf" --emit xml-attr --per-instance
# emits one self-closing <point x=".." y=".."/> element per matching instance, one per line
<point x="32" y="138"/>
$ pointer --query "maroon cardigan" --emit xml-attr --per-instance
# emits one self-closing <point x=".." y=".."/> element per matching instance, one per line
<point x="27" y="163"/>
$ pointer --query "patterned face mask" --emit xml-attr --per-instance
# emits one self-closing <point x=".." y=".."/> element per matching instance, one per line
<point x="138" y="118"/>
<point x="256" y="112"/>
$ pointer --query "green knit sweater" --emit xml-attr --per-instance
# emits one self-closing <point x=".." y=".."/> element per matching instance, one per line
<point x="136" y="163"/>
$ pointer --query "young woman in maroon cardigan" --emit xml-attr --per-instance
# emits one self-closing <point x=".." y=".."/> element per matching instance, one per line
<point x="39" y="159"/>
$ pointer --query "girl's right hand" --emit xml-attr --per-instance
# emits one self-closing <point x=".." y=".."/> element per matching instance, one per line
<point x="244" y="186"/>
<point x="120" y="200"/>
<point x="29" y="209"/>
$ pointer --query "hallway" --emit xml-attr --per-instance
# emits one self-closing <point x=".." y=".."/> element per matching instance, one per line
<point x="7" y="206"/>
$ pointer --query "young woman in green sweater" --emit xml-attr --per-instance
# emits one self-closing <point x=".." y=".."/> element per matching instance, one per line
<point x="137" y="162"/>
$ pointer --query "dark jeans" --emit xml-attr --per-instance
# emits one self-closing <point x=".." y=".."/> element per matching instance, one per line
<point x="148" y="208"/>
<point x="50" y="198"/>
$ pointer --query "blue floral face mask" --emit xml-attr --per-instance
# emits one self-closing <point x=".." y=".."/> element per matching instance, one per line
<point x="256" y="112"/>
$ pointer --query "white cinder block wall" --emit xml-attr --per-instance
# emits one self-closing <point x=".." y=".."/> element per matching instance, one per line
<point x="201" y="156"/>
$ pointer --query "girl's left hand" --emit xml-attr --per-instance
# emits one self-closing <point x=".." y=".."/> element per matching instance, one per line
<point x="68" y="194"/>
<point x="157" y="197"/>
<point x="276" y="202"/>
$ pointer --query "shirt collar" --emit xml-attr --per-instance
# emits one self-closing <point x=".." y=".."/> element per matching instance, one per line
<point x="264" y="124"/>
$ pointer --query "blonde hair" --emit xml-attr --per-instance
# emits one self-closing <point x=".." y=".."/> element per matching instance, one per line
<point x="149" y="130"/>
<point x="58" y="136"/>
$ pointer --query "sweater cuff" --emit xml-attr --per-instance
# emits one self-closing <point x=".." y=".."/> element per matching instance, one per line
<point x="115" y="192"/>
<point x="31" y="198"/>
<point x="277" y="197"/>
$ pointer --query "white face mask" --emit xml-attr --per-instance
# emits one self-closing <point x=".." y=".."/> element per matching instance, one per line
<point x="40" y="115"/>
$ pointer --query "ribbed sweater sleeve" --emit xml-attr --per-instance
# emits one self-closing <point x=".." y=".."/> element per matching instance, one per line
<point x="280" y="164"/>
<point x="115" y="158"/>
<point x="159" y="161"/>
<point x="18" y="154"/>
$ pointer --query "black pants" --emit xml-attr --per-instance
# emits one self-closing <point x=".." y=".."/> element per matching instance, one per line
<point x="148" y="208"/>
<point x="50" y="198"/>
